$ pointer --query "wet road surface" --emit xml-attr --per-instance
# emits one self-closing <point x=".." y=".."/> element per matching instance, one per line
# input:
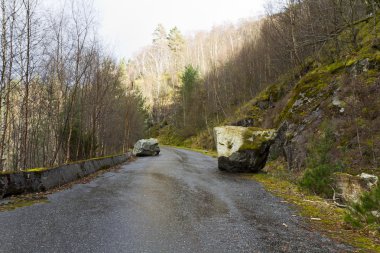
<point x="177" y="202"/>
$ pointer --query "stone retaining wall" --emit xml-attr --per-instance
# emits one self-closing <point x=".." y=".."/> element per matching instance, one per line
<point x="28" y="182"/>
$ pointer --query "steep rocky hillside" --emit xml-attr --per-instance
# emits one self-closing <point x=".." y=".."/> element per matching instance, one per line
<point x="341" y="95"/>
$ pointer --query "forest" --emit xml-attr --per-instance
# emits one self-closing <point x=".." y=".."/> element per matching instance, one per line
<point x="63" y="98"/>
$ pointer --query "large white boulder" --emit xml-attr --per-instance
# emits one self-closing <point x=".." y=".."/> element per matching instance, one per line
<point x="146" y="147"/>
<point x="243" y="149"/>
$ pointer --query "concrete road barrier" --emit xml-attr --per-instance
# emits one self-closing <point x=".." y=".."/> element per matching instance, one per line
<point x="37" y="181"/>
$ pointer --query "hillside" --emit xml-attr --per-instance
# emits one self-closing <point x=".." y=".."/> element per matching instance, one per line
<point x="341" y="94"/>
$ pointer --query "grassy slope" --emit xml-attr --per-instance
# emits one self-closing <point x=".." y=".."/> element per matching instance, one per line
<point x="321" y="214"/>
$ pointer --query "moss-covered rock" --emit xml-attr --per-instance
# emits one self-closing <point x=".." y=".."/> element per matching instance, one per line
<point x="242" y="149"/>
<point x="306" y="96"/>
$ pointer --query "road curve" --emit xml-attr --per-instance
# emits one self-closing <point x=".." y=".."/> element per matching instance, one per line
<point x="176" y="202"/>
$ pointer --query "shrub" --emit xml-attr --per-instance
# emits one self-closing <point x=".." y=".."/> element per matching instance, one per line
<point x="366" y="211"/>
<point x="320" y="163"/>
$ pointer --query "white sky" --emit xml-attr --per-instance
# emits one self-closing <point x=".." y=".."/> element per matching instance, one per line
<point x="126" y="26"/>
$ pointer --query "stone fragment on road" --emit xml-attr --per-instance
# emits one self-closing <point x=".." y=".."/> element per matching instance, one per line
<point x="146" y="147"/>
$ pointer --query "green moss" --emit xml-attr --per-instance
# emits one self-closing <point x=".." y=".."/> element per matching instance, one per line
<point x="252" y="144"/>
<point x="372" y="73"/>
<point x="272" y="94"/>
<point x="351" y="62"/>
<point x="254" y="129"/>
<point x="254" y="141"/>
<point x="366" y="244"/>
<point x="309" y="90"/>
<point x="249" y="111"/>
<point x="36" y="170"/>
<point x="366" y="32"/>
<point x="7" y="172"/>
<point x="15" y="203"/>
<point x="168" y="136"/>
<point x="42" y="169"/>
<point x="335" y="67"/>
<point x="377" y="57"/>
<point x="263" y="96"/>
<point x="95" y="158"/>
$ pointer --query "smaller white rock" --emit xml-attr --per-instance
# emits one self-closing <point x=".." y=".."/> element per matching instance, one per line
<point x="350" y="188"/>
<point x="376" y="214"/>
<point x="337" y="102"/>
<point x="146" y="147"/>
<point x="371" y="180"/>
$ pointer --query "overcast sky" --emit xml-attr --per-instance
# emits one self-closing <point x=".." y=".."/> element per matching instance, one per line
<point x="127" y="25"/>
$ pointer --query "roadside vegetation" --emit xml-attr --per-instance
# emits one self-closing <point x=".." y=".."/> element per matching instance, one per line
<point x="320" y="214"/>
<point x="320" y="164"/>
<point x="63" y="98"/>
<point x="366" y="212"/>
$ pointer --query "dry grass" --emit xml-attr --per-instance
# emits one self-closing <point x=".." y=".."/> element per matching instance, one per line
<point x="322" y="214"/>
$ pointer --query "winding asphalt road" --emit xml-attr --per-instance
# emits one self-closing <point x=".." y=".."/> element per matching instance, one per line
<point x="176" y="202"/>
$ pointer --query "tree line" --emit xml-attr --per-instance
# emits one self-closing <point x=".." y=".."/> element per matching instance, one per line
<point x="62" y="97"/>
<point x="232" y="63"/>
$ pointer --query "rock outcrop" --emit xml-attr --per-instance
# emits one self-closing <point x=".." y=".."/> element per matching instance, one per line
<point x="242" y="149"/>
<point x="350" y="188"/>
<point x="146" y="147"/>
